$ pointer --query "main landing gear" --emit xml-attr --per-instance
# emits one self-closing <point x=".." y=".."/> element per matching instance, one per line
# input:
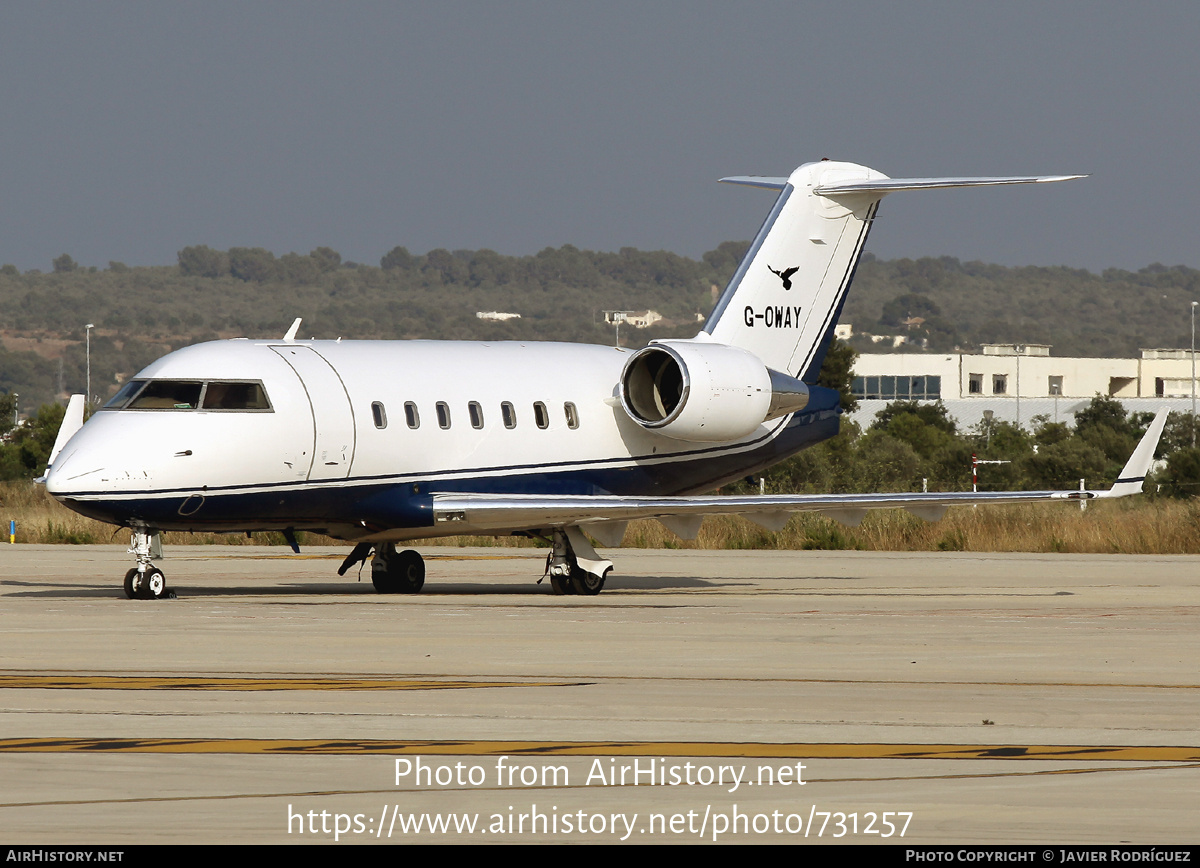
<point x="146" y="581"/>
<point x="392" y="572"/>
<point x="573" y="564"/>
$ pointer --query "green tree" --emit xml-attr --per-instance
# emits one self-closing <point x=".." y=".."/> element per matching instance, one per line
<point x="64" y="263"/>
<point x="8" y="409"/>
<point x="1181" y="478"/>
<point x="252" y="264"/>
<point x="1104" y="412"/>
<point x="202" y="261"/>
<point x="397" y="258"/>
<point x="837" y="372"/>
<point x="327" y="259"/>
<point x="28" y="447"/>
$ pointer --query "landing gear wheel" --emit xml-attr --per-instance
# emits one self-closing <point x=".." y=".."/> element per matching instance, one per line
<point x="410" y="569"/>
<point x="155" y="584"/>
<point x="148" y="585"/>
<point x="402" y="573"/>
<point x="585" y="583"/>
<point x="562" y="585"/>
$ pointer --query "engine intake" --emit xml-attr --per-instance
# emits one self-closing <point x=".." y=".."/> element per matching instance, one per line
<point x="705" y="392"/>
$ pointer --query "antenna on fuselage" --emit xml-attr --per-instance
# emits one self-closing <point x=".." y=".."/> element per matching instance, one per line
<point x="291" y="333"/>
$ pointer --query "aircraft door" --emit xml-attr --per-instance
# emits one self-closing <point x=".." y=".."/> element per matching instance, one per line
<point x="333" y="418"/>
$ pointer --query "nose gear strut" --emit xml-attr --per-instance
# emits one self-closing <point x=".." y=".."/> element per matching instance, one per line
<point x="146" y="581"/>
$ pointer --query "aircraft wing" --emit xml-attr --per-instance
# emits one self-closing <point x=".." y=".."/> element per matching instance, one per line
<point x="682" y="515"/>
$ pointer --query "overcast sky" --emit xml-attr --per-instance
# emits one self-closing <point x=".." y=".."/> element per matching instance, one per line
<point x="129" y="130"/>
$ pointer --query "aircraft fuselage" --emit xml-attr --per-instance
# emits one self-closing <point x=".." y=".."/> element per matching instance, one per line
<point x="354" y="437"/>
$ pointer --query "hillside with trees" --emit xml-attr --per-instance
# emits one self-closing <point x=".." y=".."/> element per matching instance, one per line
<point x="140" y="313"/>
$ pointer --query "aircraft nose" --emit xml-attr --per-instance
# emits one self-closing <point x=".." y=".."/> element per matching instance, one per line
<point x="73" y="467"/>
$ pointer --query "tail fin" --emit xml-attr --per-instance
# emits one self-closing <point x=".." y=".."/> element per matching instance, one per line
<point x="785" y="298"/>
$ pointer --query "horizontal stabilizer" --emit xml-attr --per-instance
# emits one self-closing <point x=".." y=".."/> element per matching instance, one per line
<point x="894" y="185"/>
<point x="756" y="181"/>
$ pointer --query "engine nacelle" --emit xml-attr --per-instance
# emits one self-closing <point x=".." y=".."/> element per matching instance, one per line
<point x="703" y="392"/>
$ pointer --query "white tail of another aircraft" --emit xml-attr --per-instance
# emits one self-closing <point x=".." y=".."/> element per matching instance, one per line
<point x="785" y="298"/>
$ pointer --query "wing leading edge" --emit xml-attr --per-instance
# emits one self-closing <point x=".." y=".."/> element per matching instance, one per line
<point x="524" y="511"/>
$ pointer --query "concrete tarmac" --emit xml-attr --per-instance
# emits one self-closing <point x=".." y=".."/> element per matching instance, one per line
<point x="921" y="698"/>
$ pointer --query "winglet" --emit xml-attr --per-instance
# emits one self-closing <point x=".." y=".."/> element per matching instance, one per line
<point x="72" y="422"/>
<point x="291" y="333"/>
<point x="1135" y="470"/>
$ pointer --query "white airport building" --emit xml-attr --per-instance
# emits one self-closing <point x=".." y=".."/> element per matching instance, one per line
<point x="1019" y="381"/>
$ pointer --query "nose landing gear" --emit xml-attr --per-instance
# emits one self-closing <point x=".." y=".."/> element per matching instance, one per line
<point x="146" y="581"/>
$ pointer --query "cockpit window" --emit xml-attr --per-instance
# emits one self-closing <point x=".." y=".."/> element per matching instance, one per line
<point x="189" y="395"/>
<point x="235" y="396"/>
<point x="167" y="395"/>
<point x="117" y="401"/>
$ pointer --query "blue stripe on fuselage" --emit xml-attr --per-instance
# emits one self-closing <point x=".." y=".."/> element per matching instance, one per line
<point x="407" y="502"/>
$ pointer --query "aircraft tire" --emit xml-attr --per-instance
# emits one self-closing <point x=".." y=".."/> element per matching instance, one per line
<point x="562" y="585"/>
<point x="585" y="583"/>
<point x="405" y="574"/>
<point x="150" y="586"/>
<point x="409" y="568"/>
<point x="155" y="587"/>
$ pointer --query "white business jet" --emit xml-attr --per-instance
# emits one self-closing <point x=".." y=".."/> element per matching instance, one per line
<point x="376" y="442"/>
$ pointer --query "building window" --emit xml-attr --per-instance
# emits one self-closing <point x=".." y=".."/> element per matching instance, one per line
<point x="999" y="384"/>
<point x="508" y="414"/>
<point x="1056" y="386"/>
<point x="443" y="414"/>
<point x="540" y="416"/>
<point x="411" y="416"/>
<point x="926" y="388"/>
<point x="572" y="415"/>
<point x="476" y="413"/>
<point x="975" y="384"/>
<point x="379" y="414"/>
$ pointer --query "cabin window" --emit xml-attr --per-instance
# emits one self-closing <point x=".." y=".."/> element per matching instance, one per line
<point x="168" y="395"/>
<point x="572" y="415"/>
<point x="540" y="416"/>
<point x="509" y="414"/>
<point x="379" y="414"/>
<point x="476" y="413"/>
<point x="411" y="416"/>
<point x="443" y="414"/>
<point x="235" y="396"/>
